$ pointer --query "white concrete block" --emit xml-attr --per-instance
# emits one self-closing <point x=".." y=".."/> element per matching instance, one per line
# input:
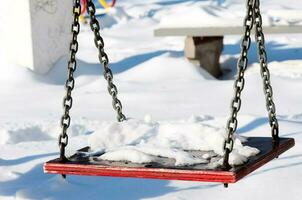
<point x="35" y="33"/>
<point x="190" y="48"/>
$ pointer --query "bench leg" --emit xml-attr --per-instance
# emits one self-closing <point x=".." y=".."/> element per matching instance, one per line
<point x="206" y="51"/>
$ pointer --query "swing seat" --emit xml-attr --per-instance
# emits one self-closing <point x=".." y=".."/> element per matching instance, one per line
<point x="81" y="164"/>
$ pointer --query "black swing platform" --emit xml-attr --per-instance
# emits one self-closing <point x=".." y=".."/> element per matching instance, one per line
<point x="83" y="163"/>
<point x="80" y="164"/>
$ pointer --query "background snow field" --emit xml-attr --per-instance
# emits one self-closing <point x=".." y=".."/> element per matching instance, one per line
<point x="153" y="78"/>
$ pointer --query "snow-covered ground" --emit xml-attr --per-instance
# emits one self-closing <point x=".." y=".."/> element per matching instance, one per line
<point x="153" y="78"/>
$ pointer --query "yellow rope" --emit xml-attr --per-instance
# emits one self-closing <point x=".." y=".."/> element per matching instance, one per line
<point x="104" y="4"/>
<point x="82" y="19"/>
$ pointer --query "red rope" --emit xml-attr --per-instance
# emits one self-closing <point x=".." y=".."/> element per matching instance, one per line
<point x="84" y="3"/>
<point x="113" y="3"/>
<point x="83" y="10"/>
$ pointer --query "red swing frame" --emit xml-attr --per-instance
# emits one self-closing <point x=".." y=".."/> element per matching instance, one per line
<point x="269" y="151"/>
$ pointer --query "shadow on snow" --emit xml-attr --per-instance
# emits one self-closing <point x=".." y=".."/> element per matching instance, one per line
<point x="275" y="52"/>
<point x="23" y="160"/>
<point x="57" y="75"/>
<point x="37" y="185"/>
<point x="262" y="121"/>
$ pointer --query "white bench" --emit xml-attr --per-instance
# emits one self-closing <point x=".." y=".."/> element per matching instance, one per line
<point x="205" y="44"/>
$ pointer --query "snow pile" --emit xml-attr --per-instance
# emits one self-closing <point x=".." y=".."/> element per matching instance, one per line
<point x="22" y="133"/>
<point x="287" y="69"/>
<point x="211" y="13"/>
<point x="14" y="133"/>
<point x="166" y="67"/>
<point x="142" y="141"/>
<point x="201" y="11"/>
<point x="112" y="16"/>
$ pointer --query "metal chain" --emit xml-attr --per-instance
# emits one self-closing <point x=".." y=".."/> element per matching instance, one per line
<point x="268" y="91"/>
<point x="239" y="83"/>
<point x="103" y="57"/>
<point x="253" y="18"/>
<point x="70" y="82"/>
<point x="72" y="64"/>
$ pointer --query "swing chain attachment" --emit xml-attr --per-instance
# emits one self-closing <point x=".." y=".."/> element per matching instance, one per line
<point x="265" y="74"/>
<point x="253" y="18"/>
<point x="103" y="57"/>
<point x="239" y="83"/>
<point x="72" y="65"/>
<point x="70" y="82"/>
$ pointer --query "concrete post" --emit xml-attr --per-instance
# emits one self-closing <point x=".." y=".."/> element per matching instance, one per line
<point x="206" y="51"/>
<point x="35" y="33"/>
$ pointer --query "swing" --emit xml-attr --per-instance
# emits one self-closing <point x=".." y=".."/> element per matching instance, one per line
<point x="81" y="164"/>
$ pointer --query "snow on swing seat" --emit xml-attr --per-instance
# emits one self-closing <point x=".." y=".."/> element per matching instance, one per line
<point x="164" y="168"/>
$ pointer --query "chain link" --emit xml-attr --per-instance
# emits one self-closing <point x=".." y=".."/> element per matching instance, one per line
<point x="265" y="74"/>
<point x="103" y="57"/>
<point x="72" y="64"/>
<point x="70" y="82"/>
<point x="239" y="83"/>
<point x="253" y="18"/>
